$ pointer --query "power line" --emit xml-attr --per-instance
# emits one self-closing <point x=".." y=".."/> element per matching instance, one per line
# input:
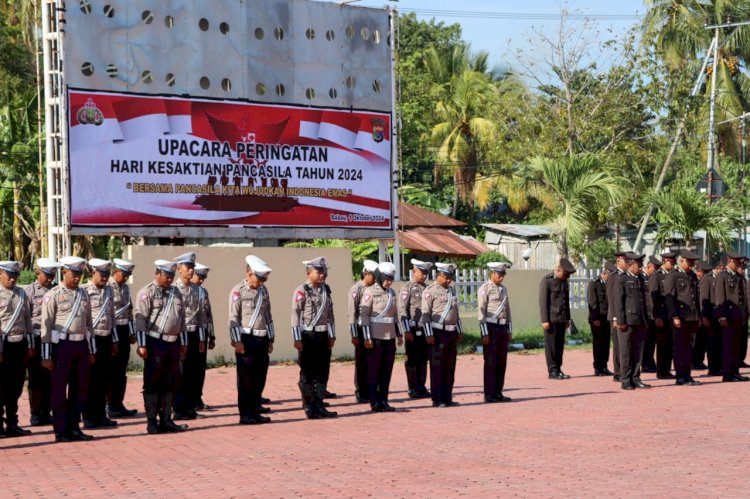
<point x="573" y="16"/>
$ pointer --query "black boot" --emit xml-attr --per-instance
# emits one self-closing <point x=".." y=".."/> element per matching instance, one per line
<point x="308" y="400"/>
<point x="151" y="404"/>
<point x="166" y="425"/>
<point x="411" y="381"/>
<point x="320" y="391"/>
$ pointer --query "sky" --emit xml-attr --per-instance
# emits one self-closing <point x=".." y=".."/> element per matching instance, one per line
<point x="502" y="26"/>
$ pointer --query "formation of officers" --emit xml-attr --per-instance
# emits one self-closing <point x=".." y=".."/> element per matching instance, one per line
<point x="683" y="310"/>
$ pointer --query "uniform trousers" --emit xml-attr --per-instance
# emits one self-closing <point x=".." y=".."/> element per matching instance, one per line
<point x="70" y="383"/>
<point x="314" y="363"/>
<point x="631" y="352"/>
<point x="684" y="340"/>
<point x="495" y="359"/>
<point x="442" y="365"/>
<point x="730" y="347"/>
<point x="40" y="387"/>
<point x="701" y="345"/>
<point x="200" y="376"/>
<point x="600" y="338"/>
<point x="713" y="347"/>
<point x="743" y="343"/>
<point x="252" y="370"/>
<point x="664" y="349"/>
<point x="649" y="346"/>
<point x="417" y="355"/>
<point x="187" y="395"/>
<point x="116" y="393"/>
<point x="12" y="376"/>
<point x="161" y="370"/>
<point x="380" y="360"/>
<point x="360" y="366"/>
<point x="615" y="348"/>
<point x="99" y="380"/>
<point x="554" y="345"/>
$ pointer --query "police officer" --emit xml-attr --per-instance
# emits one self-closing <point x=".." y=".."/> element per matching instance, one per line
<point x="660" y="315"/>
<point x="731" y="309"/>
<point x="252" y="333"/>
<point x="162" y="339"/>
<point x="314" y="334"/>
<point x="702" y="269"/>
<point x="105" y="335"/>
<point x="69" y="348"/>
<point x="187" y="395"/>
<point x="621" y="266"/>
<point x="40" y="396"/>
<point x="710" y="319"/>
<point x="496" y="329"/>
<point x="327" y="364"/>
<point x="554" y="309"/>
<point x="743" y="333"/>
<point x="683" y="304"/>
<point x="442" y="326"/>
<point x="199" y="277"/>
<point x="125" y="329"/>
<point x="598" y="304"/>
<point x="15" y="345"/>
<point x="360" y="352"/>
<point x="410" y="313"/>
<point x="649" y="349"/>
<point x="630" y="319"/>
<point x="378" y="313"/>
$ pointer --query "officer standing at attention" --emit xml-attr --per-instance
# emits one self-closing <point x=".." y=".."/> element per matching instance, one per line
<point x="554" y="309"/>
<point x="743" y="334"/>
<point x="162" y="339"/>
<point x="314" y="335"/>
<point x="596" y="297"/>
<point x="621" y="266"/>
<point x="69" y="348"/>
<point x="187" y="395"/>
<point x="630" y="319"/>
<point x="379" y="316"/>
<point x="683" y="304"/>
<point x="442" y="326"/>
<point x="496" y="328"/>
<point x="410" y="313"/>
<point x="199" y="277"/>
<point x="15" y="345"/>
<point x="710" y="319"/>
<point x="327" y="364"/>
<point x="649" y="349"/>
<point x="660" y="315"/>
<point x="125" y="329"/>
<point x="731" y="309"/>
<point x="252" y="333"/>
<point x="40" y="396"/>
<point x="702" y="269"/>
<point x="360" y="353"/>
<point x="105" y="335"/>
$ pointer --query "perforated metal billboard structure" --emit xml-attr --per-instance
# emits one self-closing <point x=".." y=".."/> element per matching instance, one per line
<point x="219" y="118"/>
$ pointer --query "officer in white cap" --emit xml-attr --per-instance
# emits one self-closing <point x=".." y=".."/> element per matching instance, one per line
<point x="252" y="334"/>
<point x="360" y="354"/>
<point x="442" y="326"/>
<point x="410" y="313"/>
<point x="199" y="277"/>
<point x="379" y="317"/>
<point x="496" y="329"/>
<point x="314" y="335"/>
<point x="187" y="395"/>
<point x="39" y="388"/>
<point x="125" y="328"/>
<point x="162" y="339"/>
<point x="16" y="331"/>
<point x="68" y="347"/>
<point x="103" y="320"/>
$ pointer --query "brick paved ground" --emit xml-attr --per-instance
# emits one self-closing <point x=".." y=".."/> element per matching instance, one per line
<point x="578" y="437"/>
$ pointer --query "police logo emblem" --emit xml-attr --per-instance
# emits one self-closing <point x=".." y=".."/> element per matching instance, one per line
<point x="378" y="129"/>
<point x="89" y="114"/>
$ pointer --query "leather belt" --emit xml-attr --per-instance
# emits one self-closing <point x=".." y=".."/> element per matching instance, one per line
<point x="496" y="320"/>
<point x="316" y="328"/>
<point x="191" y="329"/>
<point x="99" y="332"/>
<point x="122" y="322"/>
<point x="14" y="338"/>
<point x="169" y="338"/>
<point x="261" y="333"/>
<point x="444" y="327"/>
<point x="382" y="320"/>
<point x="72" y="337"/>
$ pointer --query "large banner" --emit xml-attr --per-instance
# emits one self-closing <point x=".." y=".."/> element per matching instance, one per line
<point x="160" y="161"/>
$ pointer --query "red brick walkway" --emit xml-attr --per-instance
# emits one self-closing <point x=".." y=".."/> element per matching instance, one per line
<point x="578" y="437"/>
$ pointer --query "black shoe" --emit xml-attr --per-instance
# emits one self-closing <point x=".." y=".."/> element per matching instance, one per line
<point x="413" y="394"/>
<point x="362" y="400"/>
<point x="107" y="423"/>
<point x="254" y="419"/>
<point x="329" y="395"/>
<point x="554" y="375"/>
<point x="80" y="436"/>
<point x="152" y="427"/>
<point x="435" y="404"/>
<point x="388" y="407"/>
<point x="184" y="415"/>
<point x="687" y="382"/>
<point x="607" y="372"/>
<point x="616" y="378"/>
<point x="729" y="379"/>
<point x="377" y="407"/>
<point x="740" y="377"/>
<point x="202" y="406"/>
<point x="665" y="376"/>
<point x="713" y="372"/>
<point x="40" y="420"/>
<point x="325" y="404"/>
<point x="599" y="372"/>
<point x="627" y="385"/>
<point x="264" y="400"/>
<point x="693" y="382"/>
<point x="121" y="412"/>
<point x="16" y="431"/>
<point x="89" y="424"/>
<point x="264" y="410"/>
<point x="325" y="413"/>
<point x="564" y="376"/>
<point x="452" y="403"/>
<point x="312" y="413"/>
<point x="503" y="398"/>
<point x="491" y="399"/>
<point x="700" y="367"/>
<point x="648" y="369"/>
<point x="424" y="393"/>
<point x="170" y="426"/>
<point x="641" y="384"/>
<point x="62" y="437"/>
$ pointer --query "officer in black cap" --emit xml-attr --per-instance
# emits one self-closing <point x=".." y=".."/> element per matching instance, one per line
<point x="630" y="319"/>
<point x="731" y="308"/>
<point x="649" y="348"/>
<point x="743" y="333"/>
<point x="554" y="310"/>
<point x="621" y="267"/>
<point x="709" y="317"/>
<point x="660" y="315"/>
<point x="701" y="269"/>
<point x="598" y="304"/>
<point x="681" y="293"/>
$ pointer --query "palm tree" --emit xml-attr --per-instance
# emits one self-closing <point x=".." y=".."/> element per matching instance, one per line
<point x="580" y="187"/>
<point x="683" y="212"/>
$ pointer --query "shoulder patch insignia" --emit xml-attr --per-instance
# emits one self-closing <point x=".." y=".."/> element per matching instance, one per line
<point x="354" y="295"/>
<point x="46" y="299"/>
<point x="481" y="291"/>
<point x="404" y="294"/>
<point x="144" y="297"/>
<point x="298" y="296"/>
<point x="366" y="297"/>
<point x="235" y="296"/>
<point x="426" y="295"/>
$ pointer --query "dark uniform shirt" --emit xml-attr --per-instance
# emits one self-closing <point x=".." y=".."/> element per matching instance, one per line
<point x="554" y="298"/>
<point x="656" y="291"/>
<point x="681" y="293"/>
<point x="630" y="299"/>
<point x="731" y="296"/>
<point x="596" y="297"/>
<point x="610" y="289"/>
<point x="707" y="292"/>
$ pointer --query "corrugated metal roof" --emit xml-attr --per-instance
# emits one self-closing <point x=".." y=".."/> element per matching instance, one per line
<point x="441" y="242"/>
<point x="414" y="216"/>
<point x="521" y="230"/>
